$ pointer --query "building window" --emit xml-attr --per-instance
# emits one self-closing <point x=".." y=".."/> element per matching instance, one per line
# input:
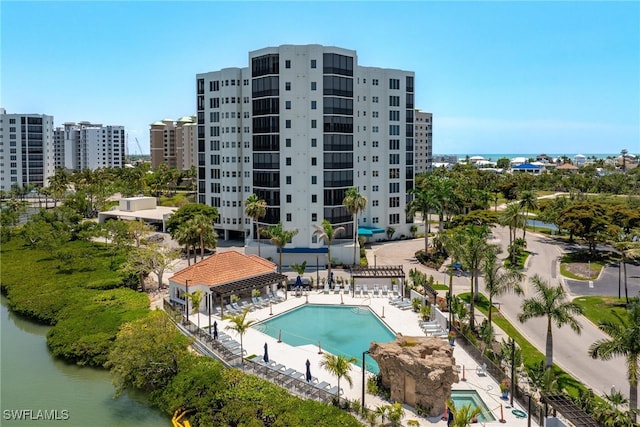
<point x="314" y="142"/>
<point x="375" y="203"/>
<point x="287" y="124"/>
<point x="287" y="86"/>
<point x="394" y="84"/>
<point x="375" y="220"/>
<point x="288" y="217"/>
<point x="314" y="218"/>
<point x="314" y="198"/>
<point x="314" y="161"/>
<point x="394" y="218"/>
<point x="374" y="188"/>
<point x="288" y="198"/>
<point x="288" y="161"/>
<point x="313" y="63"/>
<point x="394" y="202"/>
<point x="287" y="105"/>
<point x="313" y="85"/>
<point x="287" y="142"/>
<point x="314" y="179"/>
<point x="394" y="187"/>
<point x="288" y="180"/>
<point x="287" y="63"/>
<point x="314" y="105"/>
<point x="314" y="124"/>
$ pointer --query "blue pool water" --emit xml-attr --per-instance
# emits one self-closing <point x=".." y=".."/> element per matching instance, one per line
<point x="466" y="397"/>
<point x="341" y="330"/>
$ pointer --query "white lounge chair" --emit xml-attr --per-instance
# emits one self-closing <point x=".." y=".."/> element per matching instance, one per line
<point x="376" y="290"/>
<point x="385" y="290"/>
<point x="326" y="289"/>
<point x="336" y="289"/>
<point x="358" y="290"/>
<point x="394" y="289"/>
<point x="347" y="289"/>
<point x="365" y="290"/>
<point x="245" y="304"/>
<point x="481" y="371"/>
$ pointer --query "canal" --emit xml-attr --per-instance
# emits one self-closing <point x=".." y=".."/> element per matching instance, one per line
<point x="35" y="386"/>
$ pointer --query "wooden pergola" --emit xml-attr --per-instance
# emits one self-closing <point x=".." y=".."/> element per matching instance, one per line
<point x="378" y="272"/>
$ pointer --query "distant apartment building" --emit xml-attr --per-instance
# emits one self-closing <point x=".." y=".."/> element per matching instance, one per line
<point x="424" y="142"/>
<point x="86" y="145"/>
<point x="298" y="127"/>
<point x="173" y="142"/>
<point x="26" y="149"/>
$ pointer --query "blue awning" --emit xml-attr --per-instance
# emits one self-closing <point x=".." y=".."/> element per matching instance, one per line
<point x="369" y="231"/>
<point x="321" y="250"/>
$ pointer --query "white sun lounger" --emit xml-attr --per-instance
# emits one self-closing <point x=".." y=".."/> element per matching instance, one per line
<point x="376" y="290"/>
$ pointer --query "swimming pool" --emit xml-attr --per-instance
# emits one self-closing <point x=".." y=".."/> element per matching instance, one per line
<point x="466" y="397"/>
<point x="342" y="330"/>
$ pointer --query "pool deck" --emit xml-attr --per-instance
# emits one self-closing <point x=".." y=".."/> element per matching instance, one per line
<point x="402" y="321"/>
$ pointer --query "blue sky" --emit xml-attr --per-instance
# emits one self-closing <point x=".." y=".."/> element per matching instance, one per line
<point x="499" y="77"/>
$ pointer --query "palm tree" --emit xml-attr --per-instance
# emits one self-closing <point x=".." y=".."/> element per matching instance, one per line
<point x="239" y="324"/>
<point x="624" y="153"/>
<point x="624" y="341"/>
<point x="255" y="208"/>
<point x="327" y="233"/>
<point x="340" y="366"/>
<point x="202" y="227"/>
<point x="528" y="202"/>
<point x="354" y="202"/>
<point x="498" y="281"/>
<point x="280" y="238"/>
<point x="513" y="218"/>
<point x="58" y="184"/>
<point x="196" y="299"/>
<point x="551" y="302"/>
<point x="185" y="235"/>
<point x="423" y="201"/>
<point x="464" y="415"/>
<point x="469" y="246"/>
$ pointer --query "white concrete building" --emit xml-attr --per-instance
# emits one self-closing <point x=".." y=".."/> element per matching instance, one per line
<point x="86" y="145"/>
<point x="26" y="149"/>
<point x="298" y="127"/>
<point x="424" y="141"/>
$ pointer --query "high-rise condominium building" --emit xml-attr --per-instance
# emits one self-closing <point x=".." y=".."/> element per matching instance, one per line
<point x="26" y="149"/>
<point x="174" y="142"/>
<point x="87" y="145"/>
<point x="424" y="143"/>
<point x="298" y="127"/>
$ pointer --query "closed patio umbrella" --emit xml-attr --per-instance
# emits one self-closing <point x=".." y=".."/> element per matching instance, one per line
<point x="215" y="330"/>
<point x="266" y="354"/>
<point x="309" y="377"/>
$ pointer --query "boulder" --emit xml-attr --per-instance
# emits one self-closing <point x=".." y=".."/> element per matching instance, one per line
<point x="419" y="371"/>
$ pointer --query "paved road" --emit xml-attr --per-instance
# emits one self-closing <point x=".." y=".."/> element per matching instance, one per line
<point x="570" y="350"/>
<point x="607" y="283"/>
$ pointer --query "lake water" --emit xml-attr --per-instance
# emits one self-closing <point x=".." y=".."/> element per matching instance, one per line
<point x="540" y="224"/>
<point x="33" y="380"/>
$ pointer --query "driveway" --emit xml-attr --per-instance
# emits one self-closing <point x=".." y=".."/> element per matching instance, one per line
<point x="570" y="349"/>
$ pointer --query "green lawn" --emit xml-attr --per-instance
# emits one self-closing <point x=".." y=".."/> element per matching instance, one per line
<point x="600" y="308"/>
